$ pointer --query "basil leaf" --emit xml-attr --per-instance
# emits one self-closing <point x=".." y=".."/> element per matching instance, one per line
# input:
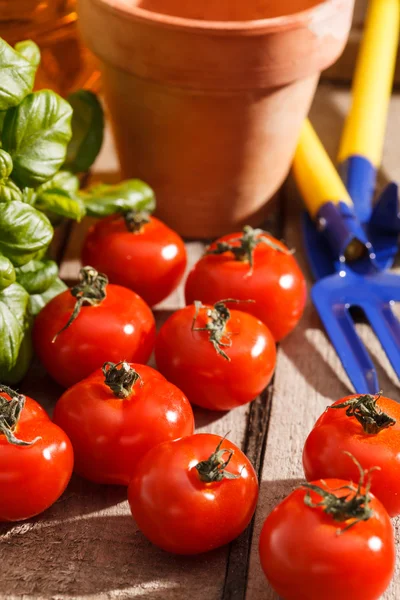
<point x="28" y="196"/>
<point x="62" y="203"/>
<point x="87" y="131"/>
<point x="62" y="180"/>
<point x="103" y="200"/>
<point x="17" y="75"/>
<point x="6" y="165"/>
<point x="9" y="192"/>
<point x="2" y="117"/>
<point x="13" y="311"/>
<point x="38" y="301"/>
<point x="24" y="231"/>
<point x="7" y="272"/>
<point x="37" y="275"/>
<point x="58" y="197"/>
<point x="30" y="51"/>
<point x="23" y="361"/>
<point x="36" y="134"/>
<point x="16" y="298"/>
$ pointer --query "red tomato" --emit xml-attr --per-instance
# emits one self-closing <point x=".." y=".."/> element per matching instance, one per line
<point x="150" y="261"/>
<point x="336" y="431"/>
<point x="34" y="475"/>
<point x="113" y="422"/>
<point x="307" y="555"/>
<point x="275" y="282"/>
<point x="189" y="358"/>
<point x="119" y="327"/>
<point x="182" y="498"/>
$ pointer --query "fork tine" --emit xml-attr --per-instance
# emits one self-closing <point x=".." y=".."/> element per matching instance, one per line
<point x="387" y="329"/>
<point x="347" y="343"/>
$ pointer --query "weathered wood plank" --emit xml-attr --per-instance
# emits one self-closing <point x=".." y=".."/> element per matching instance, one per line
<point x="87" y="545"/>
<point x="89" y="537"/>
<point x="309" y="375"/>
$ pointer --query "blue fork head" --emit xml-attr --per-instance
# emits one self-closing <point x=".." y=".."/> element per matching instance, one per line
<point x="333" y="298"/>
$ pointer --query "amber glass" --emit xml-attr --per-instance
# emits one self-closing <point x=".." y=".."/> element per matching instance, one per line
<point x="66" y="64"/>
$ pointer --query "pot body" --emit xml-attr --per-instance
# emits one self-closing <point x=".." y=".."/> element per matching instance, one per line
<point x="208" y="112"/>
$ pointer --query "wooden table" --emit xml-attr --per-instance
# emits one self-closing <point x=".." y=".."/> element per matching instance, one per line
<point x="87" y="546"/>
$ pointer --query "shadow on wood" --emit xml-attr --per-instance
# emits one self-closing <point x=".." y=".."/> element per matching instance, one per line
<point x="99" y="555"/>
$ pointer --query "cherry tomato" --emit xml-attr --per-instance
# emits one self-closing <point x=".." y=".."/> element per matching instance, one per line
<point x="193" y="494"/>
<point x="274" y="281"/>
<point x="147" y="257"/>
<point x="36" y="458"/>
<point x="114" y="416"/>
<point x="369" y="428"/>
<point x="307" y="555"/>
<point x="219" y="358"/>
<point x="119" y="326"/>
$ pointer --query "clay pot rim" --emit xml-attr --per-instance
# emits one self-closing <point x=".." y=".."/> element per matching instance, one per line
<point x="256" y="26"/>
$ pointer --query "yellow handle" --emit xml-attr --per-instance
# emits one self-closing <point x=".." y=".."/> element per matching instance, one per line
<point x="365" y="126"/>
<point x="316" y="177"/>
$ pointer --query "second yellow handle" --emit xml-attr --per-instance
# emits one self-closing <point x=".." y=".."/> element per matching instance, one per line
<point x="364" y="130"/>
<point x="316" y="177"/>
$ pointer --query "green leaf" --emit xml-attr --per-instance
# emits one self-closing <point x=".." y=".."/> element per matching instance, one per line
<point x="38" y="301"/>
<point x="64" y="180"/>
<point x="30" y="51"/>
<point x="17" y="75"/>
<point x="103" y="200"/>
<point x="8" y="190"/>
<point x="16" y="298"/>
<point x="58" y="196"/>
<point x="87" y="131"/>
<point x="7" y="272"/>
<point x="36" y="134"/>
<point x="13" y="321"/>
<point x="24" y="231"/>
<point x="37" y="275"/>
<point x="23" y="361"/>
<point x="60" y="202"/>
<point x="6" y="165"/>
<point x="28" y="195"/>
<point x="2" y="117"/>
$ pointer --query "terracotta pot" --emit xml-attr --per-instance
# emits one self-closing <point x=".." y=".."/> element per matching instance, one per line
<point x="207" y="99"/>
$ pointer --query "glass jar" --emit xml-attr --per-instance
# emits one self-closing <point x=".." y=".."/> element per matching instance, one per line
<point x="66" y="65"/>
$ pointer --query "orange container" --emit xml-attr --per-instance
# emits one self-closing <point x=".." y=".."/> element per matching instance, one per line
<point x="66" y="65"/>
<point x="207" y="99"/>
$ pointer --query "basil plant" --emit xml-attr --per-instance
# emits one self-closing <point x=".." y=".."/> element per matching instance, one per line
<point x="45" y="142"/>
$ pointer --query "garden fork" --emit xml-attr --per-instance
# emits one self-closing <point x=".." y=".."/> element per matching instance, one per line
<point x="339" y="286"/>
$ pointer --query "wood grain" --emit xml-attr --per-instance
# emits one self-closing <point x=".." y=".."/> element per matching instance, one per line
<point x="87" y="546"/>
<point x="309" y="375"/>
